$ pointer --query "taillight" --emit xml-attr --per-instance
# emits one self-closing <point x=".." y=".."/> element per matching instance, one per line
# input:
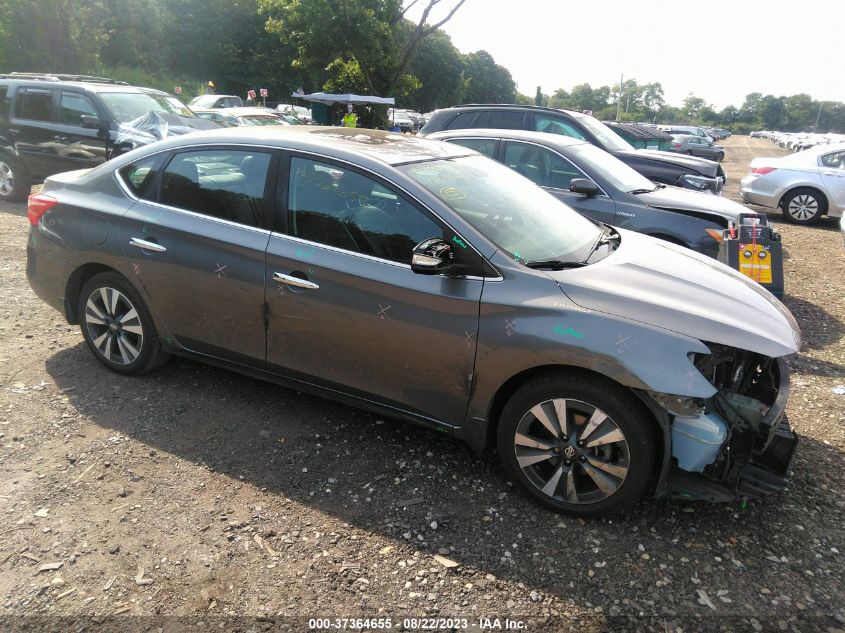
<point x="676" y="145"/>
<point x="38" y="205"/>
<point x="762" y="171"/>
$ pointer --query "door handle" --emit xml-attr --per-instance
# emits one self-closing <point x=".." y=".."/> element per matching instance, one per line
<point x="147" y="246"/>
<point x="61" y="139"/>
<point x="833" y="173"/>
<point x="13" y="131"/>
<point x="295" y="281"/>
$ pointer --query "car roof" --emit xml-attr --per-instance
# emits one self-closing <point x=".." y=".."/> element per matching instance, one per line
<point x="572" y="113"/>
<point x="556" y="140"/>
<point x="350" y="144"/>
<point x="93" y="86"/>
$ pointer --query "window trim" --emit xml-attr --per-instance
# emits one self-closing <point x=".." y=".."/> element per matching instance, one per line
<point x="497" y="143"/>
<point x="283" y="153"/>
<point x="416" y="202"/>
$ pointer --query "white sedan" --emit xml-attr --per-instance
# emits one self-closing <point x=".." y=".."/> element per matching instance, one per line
<point x="805" y="185"/>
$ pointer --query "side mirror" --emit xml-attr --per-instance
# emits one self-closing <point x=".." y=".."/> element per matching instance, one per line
<point x="89" y="121"/>
<point x="584" y="186"/>
<point x="432" y="257"/>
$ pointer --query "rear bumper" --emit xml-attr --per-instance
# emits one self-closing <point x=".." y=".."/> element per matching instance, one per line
<point x="47" y="276"/>
<point x="753" y="192"/>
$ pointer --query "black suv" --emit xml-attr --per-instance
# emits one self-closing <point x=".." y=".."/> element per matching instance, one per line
<point x="55" y="123"/>
<point x="671" y="169"/>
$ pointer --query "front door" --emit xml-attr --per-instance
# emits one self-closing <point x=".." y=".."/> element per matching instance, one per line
<point x="77" y="147"/>
<point x="553" y="172"/>
<point x="197" y="246"/>
<point x="345" y="309"/>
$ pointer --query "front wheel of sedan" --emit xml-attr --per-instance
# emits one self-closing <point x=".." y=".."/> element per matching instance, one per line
<point x="803" y="206"/>
<point x="577" y="445"/>
<point x="117" y="325"/>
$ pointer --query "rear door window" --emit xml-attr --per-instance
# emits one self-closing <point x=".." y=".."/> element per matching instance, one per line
<point x="140" y="176"/>
<point x="507" y="119"/>
<point x="33" y="104"/>
<point x="225" y="184"/>
<point x="462" y="121"/>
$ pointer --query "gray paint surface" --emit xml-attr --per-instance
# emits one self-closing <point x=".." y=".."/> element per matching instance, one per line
<point x="434" y="349"/>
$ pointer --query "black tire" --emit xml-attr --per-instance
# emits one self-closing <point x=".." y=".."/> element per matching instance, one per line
<point x="125" y="343"/>
<point x="803" y="206"/>
<point x="688" y="152"/>
<point x="573" y="462"/>
<point x="720" y="157"/>
<point x="14" y="183"/>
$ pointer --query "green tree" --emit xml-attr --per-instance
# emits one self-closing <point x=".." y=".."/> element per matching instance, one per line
<point x="375" y="33"/>
<point x="540" y="99"/>
<point x="749" y="109"/>
<point x="438" y="66"/>
<point x="485" y="81"/>
<point x="771" y="113"/>
<point x="58" y="36"/>
<point x="692" y="108"/>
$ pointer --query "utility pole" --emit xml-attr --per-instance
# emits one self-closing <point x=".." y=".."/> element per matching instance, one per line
<point x="619" y="98"/>
<point x="816" y="126"/>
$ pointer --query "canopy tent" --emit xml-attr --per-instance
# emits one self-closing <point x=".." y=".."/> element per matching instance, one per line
<point x="331" y="99"/>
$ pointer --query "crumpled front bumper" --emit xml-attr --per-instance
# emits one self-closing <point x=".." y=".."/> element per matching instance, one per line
<point x="752" y="463"/>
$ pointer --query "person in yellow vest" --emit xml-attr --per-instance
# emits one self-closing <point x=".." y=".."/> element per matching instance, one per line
<point x="350" y="119"/>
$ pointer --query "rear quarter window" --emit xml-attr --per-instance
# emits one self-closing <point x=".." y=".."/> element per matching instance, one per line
<point x="33" y="104"/>
<point x="140" y="176"/>
<point x="462" y="121"/>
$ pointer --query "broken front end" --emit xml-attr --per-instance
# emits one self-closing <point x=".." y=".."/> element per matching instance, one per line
<point x="737" y="442"/>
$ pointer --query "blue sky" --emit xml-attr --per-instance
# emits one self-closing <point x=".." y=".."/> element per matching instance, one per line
<point x="717" y="49"/>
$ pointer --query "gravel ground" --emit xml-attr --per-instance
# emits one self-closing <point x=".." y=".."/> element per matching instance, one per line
<point x="195" y="493"/>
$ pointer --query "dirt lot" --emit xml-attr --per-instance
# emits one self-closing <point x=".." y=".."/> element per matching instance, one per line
<point x="238" y="505"/>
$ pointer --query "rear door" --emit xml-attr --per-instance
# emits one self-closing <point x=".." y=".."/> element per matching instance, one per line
<point x="554" y="173"/>
<point x="196" y="245"/>
<point x="345" y="309"/>
<point x="832" y="169"/>
<point x="31" y="131"/>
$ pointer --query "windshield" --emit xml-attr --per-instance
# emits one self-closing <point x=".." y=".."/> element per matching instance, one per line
<point x="509" y="210"/>
<point x="611" y="169"/>
<point x="609" y="139"/>
<point x="128" y="106"/>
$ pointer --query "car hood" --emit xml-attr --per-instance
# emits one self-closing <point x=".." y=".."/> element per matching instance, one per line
<point x="674" y="288"/>
<point x="677" y="198"/>
<point x="703" y="166"/>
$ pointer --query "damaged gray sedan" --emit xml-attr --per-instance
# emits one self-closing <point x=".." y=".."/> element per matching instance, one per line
<point x="403" y="276"/>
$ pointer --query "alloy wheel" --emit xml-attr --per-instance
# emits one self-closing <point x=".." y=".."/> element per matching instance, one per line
<point x="7" y="179"/>
<point x="571" y="451"/>
<point x="114" y="326"/>
<point x="803" y="207"/>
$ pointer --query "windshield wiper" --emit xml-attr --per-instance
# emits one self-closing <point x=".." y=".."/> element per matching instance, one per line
<point x="554" y="264"/>
<point x="636" y="191"/>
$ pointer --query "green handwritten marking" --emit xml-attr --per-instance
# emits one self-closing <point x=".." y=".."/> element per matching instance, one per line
<point x="310" y="270"/>
<point x="300" y="252"/>
<point x="145" y="229"/>
<point x="517" y="256"/>
<point x="559" y="329"/>
<point x="459" y="241"/>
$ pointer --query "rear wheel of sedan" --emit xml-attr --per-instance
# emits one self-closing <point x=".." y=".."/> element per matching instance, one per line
<point x="720" y="157"/>
<point x="14" y="185"/>
<point x="803" y="206"/>
<point x="117" y="326"/>
<point x="577" y="445"/>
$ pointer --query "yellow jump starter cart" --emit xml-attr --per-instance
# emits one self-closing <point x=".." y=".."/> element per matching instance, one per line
<point x="754" y="249"/>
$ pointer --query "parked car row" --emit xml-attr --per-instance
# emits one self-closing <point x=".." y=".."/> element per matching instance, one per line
<point x="423" y="281"/>
<point x="696" y="146"/>
<point x="799" y="141"/>
<point x="659" y="166"/>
